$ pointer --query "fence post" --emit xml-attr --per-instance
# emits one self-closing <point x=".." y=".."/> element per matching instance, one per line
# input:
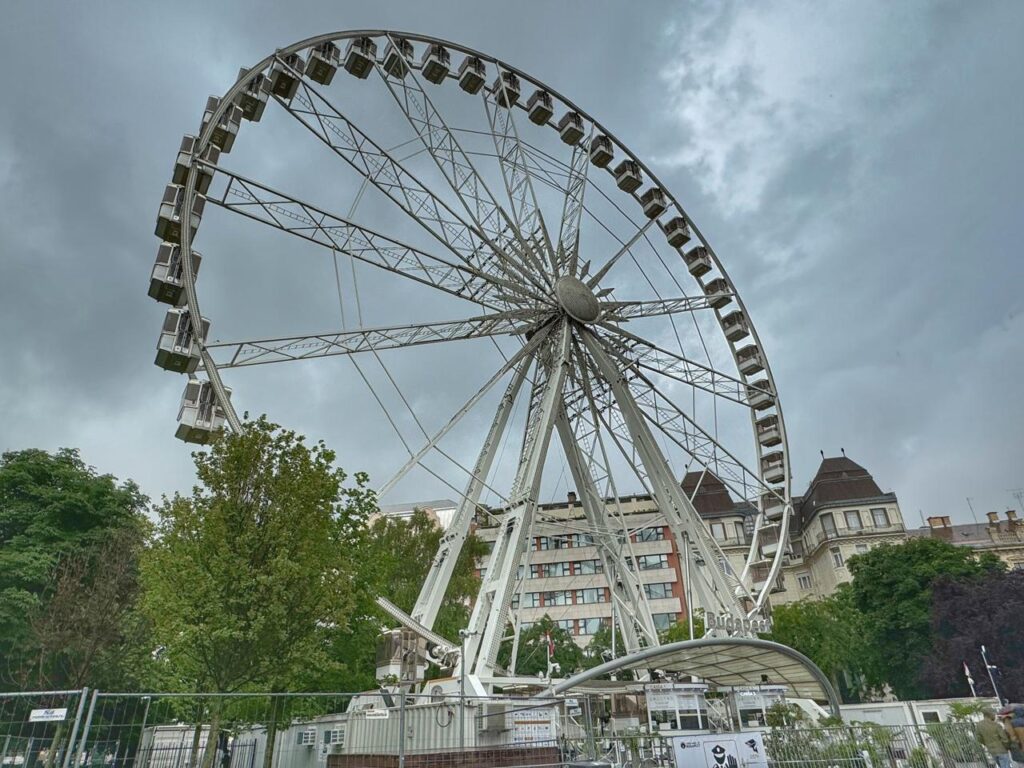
<point x="401" y="728"/>
<point x="85" y="731"/>
<point x="3" y="755"/>
<point x="74" y="728"/>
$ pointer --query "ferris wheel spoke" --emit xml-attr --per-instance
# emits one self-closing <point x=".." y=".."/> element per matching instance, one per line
<point x="626" y="248"/>
<point x="237" y="354"/>
<point x="388" y="175"/>
<point x="499" y="105"/>
<point x="521" y="359"/>
<point x="572" y="209"/>
<point x="459" y="171"/>
<point x="259" y="202"/>
<point x="715" y="587"/>
<point x="632" y="310"/>
<point x="703" y="447"/>
<point x="637" y="352"/>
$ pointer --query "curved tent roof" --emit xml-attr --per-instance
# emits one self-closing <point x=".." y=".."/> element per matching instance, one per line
<point x="724" y="662"/>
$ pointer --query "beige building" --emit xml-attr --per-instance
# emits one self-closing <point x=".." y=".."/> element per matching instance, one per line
<point x="843" y="513"/>
<point x="1004" y="537"/>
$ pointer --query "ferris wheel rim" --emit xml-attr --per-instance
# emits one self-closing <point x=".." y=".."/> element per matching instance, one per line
<point x="212" y="369"/>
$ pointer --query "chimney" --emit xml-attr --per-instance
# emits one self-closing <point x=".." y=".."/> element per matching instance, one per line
<point x="1011" y="515"/>
<point x="946" y="523"/>
<point x="936" y="522"/>
<point x="572" y="497"/>
<point x="993" y="518"/>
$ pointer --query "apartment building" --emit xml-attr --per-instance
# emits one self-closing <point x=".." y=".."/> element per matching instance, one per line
<point x="842" y="513"/>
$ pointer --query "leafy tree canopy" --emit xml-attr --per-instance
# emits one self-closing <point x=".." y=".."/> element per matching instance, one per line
<point x="892" y="589"/>
<point x="57" y="519"/>
<point x="968" y="614"/>
<point x="249" y="576"/>
<point x="394" y="556"/>
<point x="533" y="650"/>
<point x="830" y="632"/>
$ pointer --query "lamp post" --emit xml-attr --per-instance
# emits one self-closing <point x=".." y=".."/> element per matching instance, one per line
<point x="989" y="668"/>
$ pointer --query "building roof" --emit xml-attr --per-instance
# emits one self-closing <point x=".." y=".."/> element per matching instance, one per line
<point x="838" y="479"/>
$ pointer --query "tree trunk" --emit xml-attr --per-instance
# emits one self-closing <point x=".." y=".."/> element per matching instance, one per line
<point x="213" y="738"/>
<point x="275" y="713"/>
<point x="193" y="760"/>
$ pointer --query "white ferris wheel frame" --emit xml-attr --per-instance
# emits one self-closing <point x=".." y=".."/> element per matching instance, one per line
<point x="565" y="343"/>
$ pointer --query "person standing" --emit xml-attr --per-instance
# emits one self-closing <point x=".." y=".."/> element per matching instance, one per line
<point x="994" y="738"/>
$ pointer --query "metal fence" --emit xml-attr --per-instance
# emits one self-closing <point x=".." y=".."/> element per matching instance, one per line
<point x="83" y="729"/>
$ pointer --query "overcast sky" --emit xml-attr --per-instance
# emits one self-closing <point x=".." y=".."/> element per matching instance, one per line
<point x="857" y="166"/>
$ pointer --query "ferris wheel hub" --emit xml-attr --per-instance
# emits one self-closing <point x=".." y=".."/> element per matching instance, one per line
<point x="576" y="298"/>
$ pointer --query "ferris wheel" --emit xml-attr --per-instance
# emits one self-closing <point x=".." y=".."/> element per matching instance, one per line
<point x="618" y="339"/>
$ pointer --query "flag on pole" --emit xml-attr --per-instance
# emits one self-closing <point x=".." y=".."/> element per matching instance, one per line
<point x="970" y="680"/>
<point x="551" y="643"/>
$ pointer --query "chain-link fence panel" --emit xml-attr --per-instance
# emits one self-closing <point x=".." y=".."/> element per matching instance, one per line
<point x="38" y="729"/>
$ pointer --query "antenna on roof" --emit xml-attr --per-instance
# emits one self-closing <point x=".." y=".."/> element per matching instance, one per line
<point x="843" y="451"/>
<point x="971" y="507"/>
<point x="822" y="454"/>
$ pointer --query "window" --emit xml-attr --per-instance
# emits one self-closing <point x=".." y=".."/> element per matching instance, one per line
<point x="853" y="521"/>
<point x="828" y="525"/>
<point x="519" y="572"/>
<point x="548" y="570"/>
<point x="651" y="534"/>
<point x="837" y="557"/>
<point x="525" y="625"/>
<point x="543" y="542"/>
<point x="803" y="580"/>
<point x="560" y="542"/>
<point x="483" y="573"/>
<point x="658" y="591"/>
<point x="581" y="540"/>
<point x="531" y="600"/>
<point x="880" y="517"/>
<point x="652" y="562"/>
<point x="718" y="531"/>
<point x="569" y="625"/>
<point x="930" y="717"/>
<point x="587" y="567"/>
<point x="740" y="531"/>
<point x="590" y="626"/>
<point x="663" y="621"/>
<point x="594" y="595"/>
<point x="862" y="548"/>
<point x="557" y="598"/>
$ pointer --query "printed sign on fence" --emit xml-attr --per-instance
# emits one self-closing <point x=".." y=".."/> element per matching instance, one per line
<point x="48" y="715"/>
<point x="721" y="750"/>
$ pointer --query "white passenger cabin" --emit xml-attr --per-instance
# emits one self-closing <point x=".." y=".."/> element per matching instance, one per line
<point x="200" y="415"/>
<point x="166" y="283"/>
<point x="177" y="349"/>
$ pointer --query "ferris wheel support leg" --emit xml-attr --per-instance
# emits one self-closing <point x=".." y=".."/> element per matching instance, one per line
<point x="432" y="593"/>
<point x="490" y="613"/>
<point x="635" y="612"/>
<point x="711" y="586"/>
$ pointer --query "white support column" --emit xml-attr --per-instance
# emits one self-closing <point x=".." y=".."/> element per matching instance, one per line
<point x="711" y="585"/>
<point x="623" y="584"/>
<point x="490" y="613"/>
<point x="433" y="590"/>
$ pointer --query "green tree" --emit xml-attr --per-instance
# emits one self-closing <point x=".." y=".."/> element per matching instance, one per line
<point x="533" y="650"/>
<point x="57" y="517"/>
<point x="830" y="632"/>
<point x="394" y="556"/>
<point x="892" y="589"/>
<point x="681" y="630"/>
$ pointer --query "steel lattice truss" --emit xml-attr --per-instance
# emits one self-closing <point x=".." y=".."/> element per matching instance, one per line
<point x="535" y="221"/>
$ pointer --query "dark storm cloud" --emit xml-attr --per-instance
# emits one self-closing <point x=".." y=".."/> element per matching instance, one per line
<point x="856" y="166"/>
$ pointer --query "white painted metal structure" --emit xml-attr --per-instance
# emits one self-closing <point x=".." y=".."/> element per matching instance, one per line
<point x="536" y="214"/>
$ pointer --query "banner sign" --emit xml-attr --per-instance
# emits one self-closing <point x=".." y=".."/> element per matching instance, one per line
<point x="720" y="750"/>
<point x="48" y="715"/>
<point x="729" y="623"/>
